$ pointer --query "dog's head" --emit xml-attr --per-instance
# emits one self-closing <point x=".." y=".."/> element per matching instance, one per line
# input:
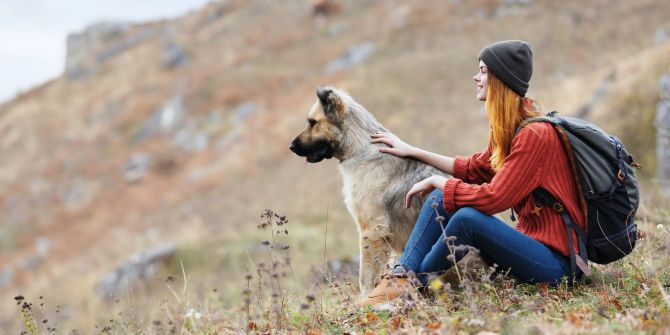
<point x="321" y="139"/>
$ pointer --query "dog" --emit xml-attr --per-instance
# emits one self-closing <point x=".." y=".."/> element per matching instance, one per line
<point x="375" y="183"/>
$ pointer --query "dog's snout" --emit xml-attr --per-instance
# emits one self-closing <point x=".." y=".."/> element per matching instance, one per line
<point x="295" y="147"/>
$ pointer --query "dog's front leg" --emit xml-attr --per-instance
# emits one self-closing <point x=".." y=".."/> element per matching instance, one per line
<point x="375" y="252"/>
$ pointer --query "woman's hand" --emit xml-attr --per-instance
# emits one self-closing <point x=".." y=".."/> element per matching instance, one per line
<point x="397" y="146"/>
<point x="424" y="187"/>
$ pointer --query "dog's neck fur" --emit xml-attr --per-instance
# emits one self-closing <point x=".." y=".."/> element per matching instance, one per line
<point x="355" y="146"/>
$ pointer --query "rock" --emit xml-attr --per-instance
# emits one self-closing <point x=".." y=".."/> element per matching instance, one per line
<point x="353" y="56"/>
<point x="662" y="123"/>
<point x="137" y="268"/>
<point x="30" y="262"/>
<point x="6" y="276"/>
<point x="100" y="42"/>
<point x="173" y="54"/>
<point x="43" y="246"/>
<point x="192" y="140"/>
<point x="171" y="113"/>
<point x="338" y="270"/>
<point x="165" y="120"/>
<point x="242" y="111"/>
<point x="220" y="8"/>
<point x="511" y="7"/>
<point x="80" y="62"/>
<point x="136" y="167"/>
<point x="114" y="48"/>
<point x="597" y="96"/>
<point x="384" y="307"/>
<point x="78" y="194"/>
<point x="662" y="35"/>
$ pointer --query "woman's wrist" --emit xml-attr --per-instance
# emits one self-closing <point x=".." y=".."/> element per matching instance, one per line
<point x="438" y="181"/>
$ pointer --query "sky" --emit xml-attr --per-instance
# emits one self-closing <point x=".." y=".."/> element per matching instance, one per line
<point x="33" y="33"/>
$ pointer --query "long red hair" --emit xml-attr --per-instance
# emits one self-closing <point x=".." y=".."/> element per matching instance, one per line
<point x="506" y="109"/>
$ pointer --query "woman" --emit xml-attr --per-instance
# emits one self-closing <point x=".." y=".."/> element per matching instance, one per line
<point x="501" y="177"/>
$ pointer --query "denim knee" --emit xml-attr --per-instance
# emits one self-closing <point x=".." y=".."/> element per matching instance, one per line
<point x="463" y="218"/>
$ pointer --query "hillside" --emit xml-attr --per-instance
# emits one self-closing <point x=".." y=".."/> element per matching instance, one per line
<point x="178" y="131"/>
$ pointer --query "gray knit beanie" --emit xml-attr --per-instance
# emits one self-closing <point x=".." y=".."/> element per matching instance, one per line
<point x="510" y="61"/>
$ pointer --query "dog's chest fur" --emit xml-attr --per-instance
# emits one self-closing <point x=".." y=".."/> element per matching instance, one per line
<point x="374" y="193"/>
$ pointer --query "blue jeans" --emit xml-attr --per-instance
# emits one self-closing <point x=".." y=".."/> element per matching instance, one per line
<point x="527" y="259"/>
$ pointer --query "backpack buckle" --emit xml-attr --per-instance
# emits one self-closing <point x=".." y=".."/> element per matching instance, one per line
<point x="536" y="210"/>
<point x="558" y="207"/>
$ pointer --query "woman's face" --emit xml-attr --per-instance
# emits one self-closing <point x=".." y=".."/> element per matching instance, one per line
<point x="481" y="78"/>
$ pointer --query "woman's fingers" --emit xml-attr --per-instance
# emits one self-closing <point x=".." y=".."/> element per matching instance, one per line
<point x="381" y="135"/>
<point x="408" y="199"/>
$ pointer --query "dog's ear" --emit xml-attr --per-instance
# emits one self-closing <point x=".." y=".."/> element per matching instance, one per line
<point x="324" y="94"/>
<point x="332" y="105"/>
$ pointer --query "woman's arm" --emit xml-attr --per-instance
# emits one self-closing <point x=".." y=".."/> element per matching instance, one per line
<point x="399" y="148"/>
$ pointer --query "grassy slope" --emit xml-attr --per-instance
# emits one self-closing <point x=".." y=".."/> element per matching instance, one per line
<point x="414" y="82"/>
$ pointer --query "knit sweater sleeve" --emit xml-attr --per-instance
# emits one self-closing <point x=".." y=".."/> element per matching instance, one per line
<point x="475" y="169"/>
<point x="520" y="174"/>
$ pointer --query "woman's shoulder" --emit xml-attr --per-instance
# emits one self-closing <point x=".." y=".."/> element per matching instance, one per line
<point x="542" y="129"/>
<point x="537" y="133"/>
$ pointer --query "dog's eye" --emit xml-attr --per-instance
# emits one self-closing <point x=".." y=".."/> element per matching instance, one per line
<point x="312" y="122"/>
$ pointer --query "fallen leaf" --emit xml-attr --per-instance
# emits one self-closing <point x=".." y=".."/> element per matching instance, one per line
<point x="395" y="322"/>
<point x="434" y="325"/>
<point x="575" y="319"/>
<point x="371" y="317"/>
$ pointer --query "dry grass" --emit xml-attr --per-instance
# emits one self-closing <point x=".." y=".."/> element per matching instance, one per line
<point x="271" y="287"/>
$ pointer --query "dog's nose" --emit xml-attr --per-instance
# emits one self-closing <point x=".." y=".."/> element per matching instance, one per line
<point x="292" y="147"/>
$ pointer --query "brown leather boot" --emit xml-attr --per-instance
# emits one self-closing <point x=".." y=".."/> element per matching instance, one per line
<point x="393" y="284"/>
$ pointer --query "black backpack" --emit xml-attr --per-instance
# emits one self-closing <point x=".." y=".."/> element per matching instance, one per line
<point x="606" y="180"/>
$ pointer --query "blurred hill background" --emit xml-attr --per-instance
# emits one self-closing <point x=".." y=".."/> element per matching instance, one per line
<point x="174" y="134"/>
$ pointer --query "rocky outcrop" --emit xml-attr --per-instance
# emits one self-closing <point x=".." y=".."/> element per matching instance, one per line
<point x="137" y="268"/>
<point x="80" y="62"/>
<point x="353" y="56"/>
<point x="597" y="96"/>
<point x="100" y="42"/>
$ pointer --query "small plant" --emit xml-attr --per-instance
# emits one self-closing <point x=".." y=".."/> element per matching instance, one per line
<point x="29" y="319"/>
<point x="271" y="272"/>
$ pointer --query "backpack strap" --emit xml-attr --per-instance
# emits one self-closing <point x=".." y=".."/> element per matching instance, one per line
<point x="549" y="117"/>
<point x="544" y="197"/>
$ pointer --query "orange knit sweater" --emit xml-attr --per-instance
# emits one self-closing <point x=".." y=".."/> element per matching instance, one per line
<point x="536" y="159"/>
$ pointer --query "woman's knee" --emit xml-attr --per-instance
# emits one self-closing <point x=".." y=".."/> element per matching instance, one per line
<point x="466" y="217"/>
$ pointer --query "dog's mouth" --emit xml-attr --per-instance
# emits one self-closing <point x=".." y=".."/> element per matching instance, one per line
<point x="314" y="153"/>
